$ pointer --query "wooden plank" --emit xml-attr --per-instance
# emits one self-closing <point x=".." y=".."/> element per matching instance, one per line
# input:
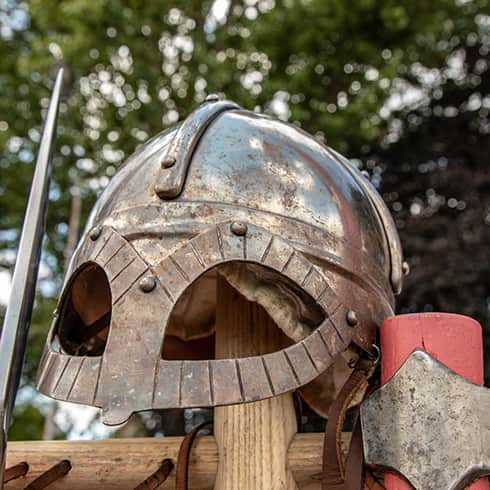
<point x="120" y="464"/>
<point x="253" y="438"/>
<point x="113" y="464"/>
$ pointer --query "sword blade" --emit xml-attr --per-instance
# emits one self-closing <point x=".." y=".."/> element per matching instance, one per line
<point x="13" y="335"/>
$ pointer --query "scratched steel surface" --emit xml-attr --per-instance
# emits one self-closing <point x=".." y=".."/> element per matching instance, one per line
<point x="226" y="185"/>
<point x="429" y="424"/>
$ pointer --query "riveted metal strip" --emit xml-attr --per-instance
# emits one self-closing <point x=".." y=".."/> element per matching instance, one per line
<point x="232" y="246"/>
<point x="175" y="162"/>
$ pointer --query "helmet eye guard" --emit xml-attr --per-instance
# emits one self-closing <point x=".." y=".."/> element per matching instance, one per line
<point x="82" y="326"/>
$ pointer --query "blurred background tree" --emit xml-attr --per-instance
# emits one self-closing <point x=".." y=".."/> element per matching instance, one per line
<point x="400" y="86"/>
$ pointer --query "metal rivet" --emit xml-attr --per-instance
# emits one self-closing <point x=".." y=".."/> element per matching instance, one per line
<point x="168" y="162"/>
<point x="212" y="98"/>
<point x="238" y="228"/>
<point x="351" y="318"/>
<point x="95" y="233"/>
<point x="405" y="268"/>
<point x="365" y="173"/>
<point x="147" y="284"/>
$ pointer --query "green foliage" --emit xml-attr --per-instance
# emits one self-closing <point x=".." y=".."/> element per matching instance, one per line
<point x="135" y="67"/>
<point x="339" y="69"/>
<point x="28" y="423"/>
<point x="41" y="320"/>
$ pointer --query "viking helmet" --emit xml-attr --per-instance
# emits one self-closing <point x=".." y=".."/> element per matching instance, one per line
<point x="287" y="221"/>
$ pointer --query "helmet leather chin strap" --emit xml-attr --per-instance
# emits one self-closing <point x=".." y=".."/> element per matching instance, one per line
<point x="338" y="474"/>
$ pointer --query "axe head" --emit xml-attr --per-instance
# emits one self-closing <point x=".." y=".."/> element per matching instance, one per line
<point x="429" y="424"/>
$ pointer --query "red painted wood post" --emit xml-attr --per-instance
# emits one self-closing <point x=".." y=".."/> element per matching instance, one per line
<point x="455" y="340"/>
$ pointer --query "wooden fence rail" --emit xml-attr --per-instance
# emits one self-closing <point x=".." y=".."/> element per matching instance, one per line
<point x="119" y="464"/>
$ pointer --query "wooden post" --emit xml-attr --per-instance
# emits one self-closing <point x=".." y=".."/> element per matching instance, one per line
<point x="454" y="340"/>
<point x="252" y="439"/>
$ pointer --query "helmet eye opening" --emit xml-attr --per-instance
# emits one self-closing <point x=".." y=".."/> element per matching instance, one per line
<point x="293" y="311"/>
<point x="85" y="313"/>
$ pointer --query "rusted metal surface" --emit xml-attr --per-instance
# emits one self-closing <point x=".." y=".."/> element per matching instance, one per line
<point x="183" y="458"/>
<point x="158" y="477"/>
<point x="58" y="471"/>
<point x="248" y="189"/>
<point x="15" y="471"/>
<point x="429" y="424"/>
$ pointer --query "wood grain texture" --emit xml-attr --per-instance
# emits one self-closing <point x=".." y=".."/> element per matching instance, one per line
<point x="112" y="464"/>
<point x="252" y="438"/>
<point x="121" y="464"/>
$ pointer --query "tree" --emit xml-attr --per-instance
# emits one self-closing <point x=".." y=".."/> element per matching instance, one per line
<point x="369" y="77"/>
<point x="437" y="183"/>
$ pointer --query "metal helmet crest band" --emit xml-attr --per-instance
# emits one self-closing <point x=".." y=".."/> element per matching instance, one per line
<point x="287" y="221"/>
